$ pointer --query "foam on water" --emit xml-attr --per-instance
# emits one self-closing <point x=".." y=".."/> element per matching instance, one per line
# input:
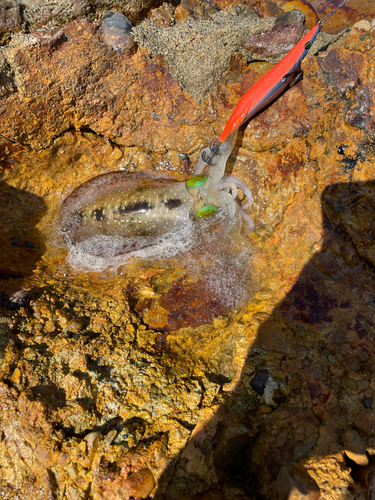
<point x="102" y="252"/>
<point x="205" y="249"/>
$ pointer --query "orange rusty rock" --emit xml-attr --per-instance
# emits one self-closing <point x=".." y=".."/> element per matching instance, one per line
<point x="190" y="304"/>
<point x="163" y="15"/>
<point x="182" y="11"/>
<point x="309" y="323"/>
<point x="139" y="484"/>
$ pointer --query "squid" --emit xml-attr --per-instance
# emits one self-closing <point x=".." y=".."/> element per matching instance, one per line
<point x="131" y="206"/>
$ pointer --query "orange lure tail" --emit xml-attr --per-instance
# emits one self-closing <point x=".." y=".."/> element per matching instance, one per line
<point x="272" y="84"/>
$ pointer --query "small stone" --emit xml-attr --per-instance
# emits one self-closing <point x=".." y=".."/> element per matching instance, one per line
<point x="110" y="437"/>
<point x="20" y="298"/>
<point x="365" y="422"/>
<point x="129" y="434"/>
<point x="361" y="26"/>
<point x="182" y="12"/>
<point x="362" y="384"/>
<point x="117" y="32"/>
<point x="139" y="484"/>
<point x="294" y="483"/>
<point x="92" y="439"/>
<point x="163" y="15"/>
<point x="270" y="390"/>
<point x="75" y="325"/>
<point x="368" y="402"/>
<point x="355" y="448"/>
<point x="259" y="382"/>
<point x="115" y="19"/>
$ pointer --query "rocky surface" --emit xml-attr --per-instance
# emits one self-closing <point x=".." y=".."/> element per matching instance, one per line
<point x="122" y="384"/>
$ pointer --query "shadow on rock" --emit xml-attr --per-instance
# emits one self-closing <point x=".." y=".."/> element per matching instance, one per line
<point x="306" y="390"/>
<point x="20" y="243"/>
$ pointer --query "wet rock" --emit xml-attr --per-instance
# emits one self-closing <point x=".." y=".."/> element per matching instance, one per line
<point x="295" y="328"/>
<point x="117" y="32"/>
<point x="182" y="11"/>
<point x="294" y="483"/>
<point x="355" y="448"/>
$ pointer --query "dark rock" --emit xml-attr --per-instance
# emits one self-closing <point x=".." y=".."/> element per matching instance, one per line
<point x="233" y="442"/>
<point x="117" y="20"/>
<point x="368" y="402"/>
<point x="259" y="382"/>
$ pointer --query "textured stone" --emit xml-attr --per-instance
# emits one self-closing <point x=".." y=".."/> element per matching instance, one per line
<point x="294" y="483"/>
<point x="40" y="12"/>
<point x="10" y="18"/>
<point x="198" y="52"/>
<point x="355" y="448"/>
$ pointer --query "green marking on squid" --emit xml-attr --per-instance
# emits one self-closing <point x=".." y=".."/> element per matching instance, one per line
<point x="198" y="180"/>
<point x="207" y="210"/>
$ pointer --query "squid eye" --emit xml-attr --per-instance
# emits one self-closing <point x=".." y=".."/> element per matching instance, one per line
<point x="207" y="210"/>
<point x="307" y="46"/>
<point x="197" y="181"/>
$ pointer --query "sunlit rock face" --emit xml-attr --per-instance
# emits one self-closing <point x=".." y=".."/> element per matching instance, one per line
<point x="114" y="382"/>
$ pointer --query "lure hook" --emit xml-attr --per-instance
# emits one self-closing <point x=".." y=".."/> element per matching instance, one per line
<point x="332" y="12"/>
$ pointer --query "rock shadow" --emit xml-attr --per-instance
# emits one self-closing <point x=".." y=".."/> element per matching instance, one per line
<point x="306" y="389"/>
<point x="21" y="245"/>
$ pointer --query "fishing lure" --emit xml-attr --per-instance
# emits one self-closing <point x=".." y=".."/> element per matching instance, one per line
<point x="131" y="206"/>
<point x="273" y="83"/>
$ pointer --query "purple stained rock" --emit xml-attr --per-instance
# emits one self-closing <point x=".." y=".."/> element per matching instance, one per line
<point x="285" y="34"/>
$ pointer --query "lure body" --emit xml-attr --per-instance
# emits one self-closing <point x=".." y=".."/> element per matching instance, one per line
<point x="273" y="83"/>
